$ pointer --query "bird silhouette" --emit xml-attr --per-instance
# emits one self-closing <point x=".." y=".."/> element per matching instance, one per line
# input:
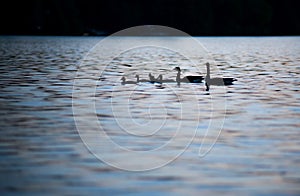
<point x="188" y="79"/>
<point x="153" y="80"/>
<point x="216" y="81"/>
<point x="140" y="80"/>
<point x="127" y="82"/>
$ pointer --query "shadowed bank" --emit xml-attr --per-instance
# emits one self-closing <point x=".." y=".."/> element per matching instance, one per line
<point x="206" y="17"/>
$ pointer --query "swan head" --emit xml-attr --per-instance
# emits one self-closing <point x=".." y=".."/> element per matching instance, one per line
<point x="207" y="64"/>
<point x="177" y="69"/>
<point x="123" y="78"/>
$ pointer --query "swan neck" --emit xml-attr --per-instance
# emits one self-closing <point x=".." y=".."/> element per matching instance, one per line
<point x="207" y="71"/>
<point x="178" y="76"/>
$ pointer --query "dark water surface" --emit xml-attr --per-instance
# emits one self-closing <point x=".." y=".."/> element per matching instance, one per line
<point x="256" y="153"/>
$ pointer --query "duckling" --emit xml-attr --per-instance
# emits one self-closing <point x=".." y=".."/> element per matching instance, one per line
<point x="126" y="82"/>
<point x="140" y="80"/>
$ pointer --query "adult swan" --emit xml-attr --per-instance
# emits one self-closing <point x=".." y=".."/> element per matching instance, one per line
<point x="188" y="79"/>
<point x="216" y="81"/>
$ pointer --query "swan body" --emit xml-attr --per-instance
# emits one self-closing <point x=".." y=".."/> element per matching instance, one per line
<point x="220" y="81"/>
<point x="193" y="79"/>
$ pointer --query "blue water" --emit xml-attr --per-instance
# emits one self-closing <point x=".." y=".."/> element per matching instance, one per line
<point x="247" y="133"/>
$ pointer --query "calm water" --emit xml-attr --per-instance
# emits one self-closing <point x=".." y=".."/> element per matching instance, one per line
<point x="257" y="151"/>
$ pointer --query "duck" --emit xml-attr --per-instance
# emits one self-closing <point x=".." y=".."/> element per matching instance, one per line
<point x="216" y="81"/>
<point x="126" y="82"/>
<point x="188" y="79"/>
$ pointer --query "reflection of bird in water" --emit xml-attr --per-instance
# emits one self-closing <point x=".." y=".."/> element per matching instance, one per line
<point x="189" y="79"/>
<point x="126" y="82"/>
<point x="216" y="81"/>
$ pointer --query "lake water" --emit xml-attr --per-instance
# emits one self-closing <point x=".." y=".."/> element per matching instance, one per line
<point x="69" y="127"/>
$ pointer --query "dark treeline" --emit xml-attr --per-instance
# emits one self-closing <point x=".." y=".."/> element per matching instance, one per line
<point x="196" y="17"/>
